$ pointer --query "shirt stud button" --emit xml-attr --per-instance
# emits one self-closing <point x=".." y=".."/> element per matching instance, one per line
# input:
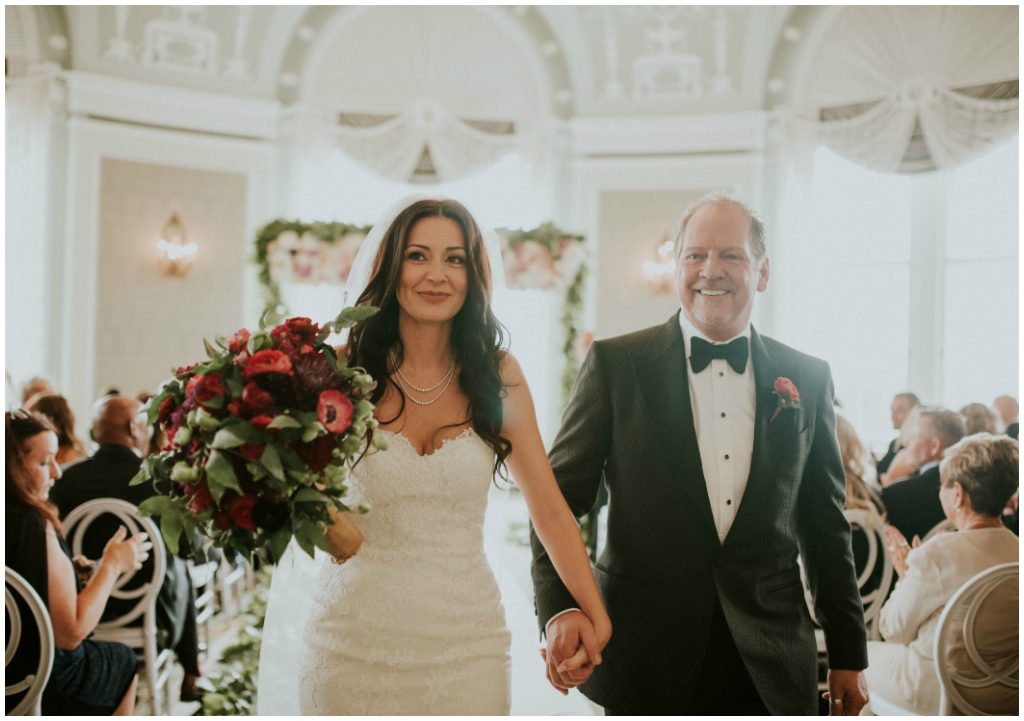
<point x="728" y="502"/>
<point x="723" y="415"/>
<point x="721" y="373"/>
<point x="726" y="456"/>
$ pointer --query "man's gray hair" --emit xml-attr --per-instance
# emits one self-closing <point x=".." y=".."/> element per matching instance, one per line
<point x="757" y="234"/>
<point x="948" y="426"/>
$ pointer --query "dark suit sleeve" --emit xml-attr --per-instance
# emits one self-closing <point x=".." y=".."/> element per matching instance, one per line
<point x="824" y="540"/>
<point x="577" y="459"/>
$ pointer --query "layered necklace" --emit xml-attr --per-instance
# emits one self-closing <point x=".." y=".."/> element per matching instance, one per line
<point x="446" y="380"/>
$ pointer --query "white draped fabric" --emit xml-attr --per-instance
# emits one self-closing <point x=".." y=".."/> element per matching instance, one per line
<point x="394" y="147"/>
<point x="31" y="218"/>
<point x="911" y="60"/>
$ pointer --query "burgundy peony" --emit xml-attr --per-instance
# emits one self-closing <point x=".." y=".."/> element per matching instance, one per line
<point x="256" y="401"/>
<point x="316" y="454"/>
<point x="267" y="361"/>
<point x="334" y="410"/>
<point x="299" y="332"/>
<point x="240" y="510"/>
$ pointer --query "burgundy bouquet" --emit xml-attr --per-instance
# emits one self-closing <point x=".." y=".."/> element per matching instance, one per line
<point x="261" y="436"/>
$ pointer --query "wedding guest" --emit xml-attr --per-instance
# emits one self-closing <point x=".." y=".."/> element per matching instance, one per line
<point x="979" y="418"/>
<point x="859" y="495"/>
<point x="88" y="677"/>
<point x="912" y="505"/>
<point x="34" y="386"/>
<point x="119" y="431"/>
<point x="55" y="407"/>
<point x="978" y="475"/>
<point x="1008" y="413"/>
<point x="902" y="405"/>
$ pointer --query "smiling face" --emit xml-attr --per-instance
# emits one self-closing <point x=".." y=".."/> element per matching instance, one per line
<point x="717" y="272"/>
<point x="434" y="278"/>
<point x="41" y="463"/>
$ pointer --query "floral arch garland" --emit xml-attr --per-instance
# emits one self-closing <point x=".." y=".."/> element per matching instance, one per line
<point x="544" y="258"/>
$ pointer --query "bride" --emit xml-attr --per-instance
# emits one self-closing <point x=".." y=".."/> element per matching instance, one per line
<point x="413" y="623"/>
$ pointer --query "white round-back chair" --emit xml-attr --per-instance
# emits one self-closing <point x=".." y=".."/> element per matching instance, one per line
<point x="124" y="628"/>
<point x="19" y="595"/>
<point x="977" y="645"/>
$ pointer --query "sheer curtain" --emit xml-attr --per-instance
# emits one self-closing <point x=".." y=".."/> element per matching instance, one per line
<point x="32" y="199"/>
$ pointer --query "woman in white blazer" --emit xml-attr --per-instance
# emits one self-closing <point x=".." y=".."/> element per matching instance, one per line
<point x="979" y="474"/>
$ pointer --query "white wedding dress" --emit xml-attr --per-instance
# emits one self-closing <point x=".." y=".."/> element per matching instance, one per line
<point x="413" y="624"/>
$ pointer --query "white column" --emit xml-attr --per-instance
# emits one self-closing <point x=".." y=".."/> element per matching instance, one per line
<point x="927" y="252"/>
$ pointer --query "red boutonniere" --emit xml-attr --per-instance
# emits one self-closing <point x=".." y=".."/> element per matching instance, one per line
<point x="789" y="396"/>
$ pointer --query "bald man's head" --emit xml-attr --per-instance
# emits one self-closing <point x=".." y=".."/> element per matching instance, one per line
<point x="113" y="421"/>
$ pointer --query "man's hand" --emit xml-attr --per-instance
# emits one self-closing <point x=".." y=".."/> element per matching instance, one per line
<point x="847" y="692"/>
<point x="572" y="652"/>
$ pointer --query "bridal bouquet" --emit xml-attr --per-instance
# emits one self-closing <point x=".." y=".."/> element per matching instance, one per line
<point x="261" y="436"/>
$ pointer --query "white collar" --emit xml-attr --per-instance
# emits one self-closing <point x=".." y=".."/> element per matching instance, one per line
<point x="690" y="331"/>
<point x="927" y="466"/>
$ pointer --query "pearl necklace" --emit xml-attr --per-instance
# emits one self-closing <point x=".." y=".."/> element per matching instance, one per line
<point x="446" y="379"/>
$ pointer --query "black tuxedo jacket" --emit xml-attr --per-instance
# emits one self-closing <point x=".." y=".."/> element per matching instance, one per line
<point x="106" y="474"/>
<point x="913" y="505"/>
<point x="883" y="465"/>
<point x="629" y="422"/>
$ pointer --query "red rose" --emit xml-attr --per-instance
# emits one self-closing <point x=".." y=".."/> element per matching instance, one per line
<point x="317" y="454"/>
<point x="222" y="520"/>
<point x="334" y="410"/>
<point x="252" y="451"/>
<point x="164" y="412"/>
<point x="302" y="332"/>
<point x="256" y="401"/>
<point x="240" y="509"/>
<point x="260" y="422"/>
<point x="185" y="370"/>
<point x="200" y="497"/>
<point x="786" y="390"/>
<point x="237" y="342"/>
<point x="202" y="389"/>
<point x="267" y="361"/>
<point x="235" y="408"/>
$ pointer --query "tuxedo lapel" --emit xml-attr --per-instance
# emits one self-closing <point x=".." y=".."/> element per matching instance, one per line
<point x="772" y="438"/>
<point x="661" y="374"/>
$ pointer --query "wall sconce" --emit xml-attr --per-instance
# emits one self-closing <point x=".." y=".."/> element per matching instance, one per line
<point x="659" y="273"/>
<point x="176" y="255"/>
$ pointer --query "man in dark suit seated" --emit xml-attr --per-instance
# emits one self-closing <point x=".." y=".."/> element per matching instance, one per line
<point x="1009" y="412"/>
<point x="912" y="505"/>
<point x="106" y="474"/>
<point x="902" y="405"/>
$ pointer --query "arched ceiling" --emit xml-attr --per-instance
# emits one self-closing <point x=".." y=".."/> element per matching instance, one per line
<point x="599" y="60"/>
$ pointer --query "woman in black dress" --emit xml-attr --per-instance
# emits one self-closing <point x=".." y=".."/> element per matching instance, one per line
<point x="88" y="677"/>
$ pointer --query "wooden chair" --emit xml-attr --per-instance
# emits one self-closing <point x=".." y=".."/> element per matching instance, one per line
<point x="139" y="588"/>
<point x="19" y="596"/>
<point x="976" y="645"/>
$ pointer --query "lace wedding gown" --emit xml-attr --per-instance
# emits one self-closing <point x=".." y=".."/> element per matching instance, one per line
<point x="413" y="624"/>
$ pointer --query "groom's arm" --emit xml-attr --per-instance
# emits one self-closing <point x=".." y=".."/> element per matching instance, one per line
<point x="824" y="539"/>
<point x="577" y="459"/>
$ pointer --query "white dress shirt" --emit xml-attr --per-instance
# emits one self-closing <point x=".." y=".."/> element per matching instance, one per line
<point x="724" y="404"/>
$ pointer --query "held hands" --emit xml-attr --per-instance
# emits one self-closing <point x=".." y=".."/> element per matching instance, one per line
<point x="126" y="554"/>
<point x="847" y="692"/>
<point x="574" y="649"/>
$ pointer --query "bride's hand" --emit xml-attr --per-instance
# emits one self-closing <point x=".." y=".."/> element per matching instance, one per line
<point x="593" y="638"/>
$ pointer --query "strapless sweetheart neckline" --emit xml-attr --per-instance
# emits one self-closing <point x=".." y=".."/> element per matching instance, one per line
<point x="468" y="432"/>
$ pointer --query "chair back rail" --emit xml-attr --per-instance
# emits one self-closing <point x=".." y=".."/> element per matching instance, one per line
<point x="32" y="685"/>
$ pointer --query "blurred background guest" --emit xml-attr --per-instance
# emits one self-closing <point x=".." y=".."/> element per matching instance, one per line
<point x="902" y="404"/>
<point x="978" y="475"/>
<point x="34" y="386"/>
<point x="55" y="407"/>
<point x="979" y="418"/>
<point x="1009" y="413"/>
<point x="912" y="505"/>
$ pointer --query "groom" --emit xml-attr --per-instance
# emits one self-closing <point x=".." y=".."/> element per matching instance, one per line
<point x="718" y="446"/>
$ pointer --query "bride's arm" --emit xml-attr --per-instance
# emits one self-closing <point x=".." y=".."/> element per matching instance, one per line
<point x="552" y="520"/>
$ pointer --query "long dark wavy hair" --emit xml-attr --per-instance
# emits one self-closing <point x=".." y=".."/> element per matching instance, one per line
<point x="478" y="338"/>
<point x="19" y="426"/>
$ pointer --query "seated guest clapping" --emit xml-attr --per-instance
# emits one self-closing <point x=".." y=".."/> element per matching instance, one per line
<point x="978" y="476"/>
<point x="88" y="677"/>
<point x="912" y="505"/>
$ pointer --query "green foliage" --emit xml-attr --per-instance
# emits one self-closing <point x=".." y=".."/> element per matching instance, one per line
<point x="237" y="671"/>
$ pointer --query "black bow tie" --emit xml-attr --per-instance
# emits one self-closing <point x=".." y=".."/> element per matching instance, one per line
<point x="702" y="353"/>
